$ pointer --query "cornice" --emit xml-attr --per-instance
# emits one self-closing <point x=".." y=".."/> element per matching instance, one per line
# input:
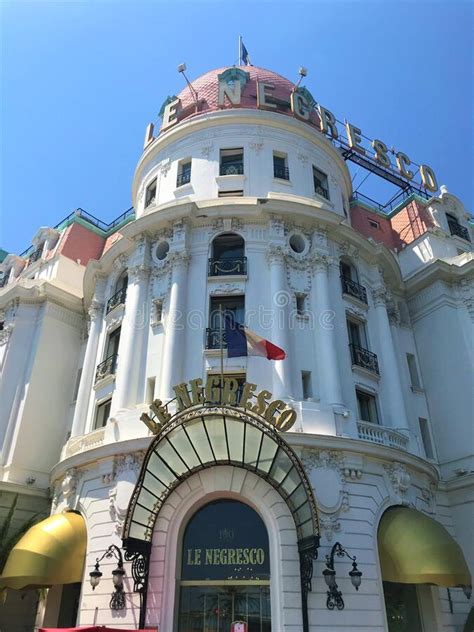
<point x="295" y="440"/>
<point x="241" y="116"/>
<point x="39" y="291"/>
<point x="438" y="270"/>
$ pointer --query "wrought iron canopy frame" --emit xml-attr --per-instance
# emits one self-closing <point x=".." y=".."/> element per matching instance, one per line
<point x="205" y="436"/>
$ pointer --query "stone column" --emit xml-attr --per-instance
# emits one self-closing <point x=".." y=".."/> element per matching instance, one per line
<point x="175" y="327"/>
<point x="96" y="316"/>
<point x="325" y="332"/>
<point x="132" y="336"/>
<point x="280" y="299"/>
<point x="388" y="364"/>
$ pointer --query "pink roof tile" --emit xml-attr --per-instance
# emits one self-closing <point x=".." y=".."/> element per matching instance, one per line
<point x="206" y="87"/>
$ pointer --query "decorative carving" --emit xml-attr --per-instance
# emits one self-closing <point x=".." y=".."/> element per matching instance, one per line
<point x="380" y="295"/>
<point x="466" y="294"/>
<point x="399" y="477"/>
<point x="275" y="254"/>
<point x="303" y="158"/>
<point x="5" y="333"/>
<point x="95" y="310"/>
<point x="349" y="250"/>
<point x="138" y="273"/>
<point x="354" y="311"/>
<point x="207" y="150"/>
<point x="227" y="288"/>
<point x="330" y="525"/>
<point x="319" y="261"/>
<point x="277" y="226"/>
<point x="69" y="486"/>
<point x="257" y="147"/>
<point x="165" y="166"/>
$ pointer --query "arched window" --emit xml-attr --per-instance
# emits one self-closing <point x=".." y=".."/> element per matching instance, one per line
<point x="225" y="570"/>
<point x="228" y="255"/>
<point x="119" y="293"/>
<point x="350" y="280"/>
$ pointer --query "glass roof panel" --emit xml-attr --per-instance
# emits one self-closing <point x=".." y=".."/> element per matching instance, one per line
<point x="171" y="458"/>
<point x="215" y="428"/>
<point x="183" y="447"/>
<point x="269" y="447"/>
<point x="195" y="430"/>
<point x="281" y="466"/>
<point x="154" y="485"/>
<point x="160" y="470"/>
<point x="253" y="437"/>
<point x="291" y="482"/>
<point x="235" y="437"/>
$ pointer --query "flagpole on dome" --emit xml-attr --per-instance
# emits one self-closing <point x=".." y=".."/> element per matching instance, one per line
<point x="240" y="50"/>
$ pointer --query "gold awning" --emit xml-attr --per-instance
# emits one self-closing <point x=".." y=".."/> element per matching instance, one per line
<point x="415" y="549"/>
<point x="51" y="552"/>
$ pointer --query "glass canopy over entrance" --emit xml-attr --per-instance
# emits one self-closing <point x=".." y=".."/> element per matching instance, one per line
<point x="205" y="436"/>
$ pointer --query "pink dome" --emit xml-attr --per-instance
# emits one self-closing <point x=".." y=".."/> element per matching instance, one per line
<point x="206" y="87"/>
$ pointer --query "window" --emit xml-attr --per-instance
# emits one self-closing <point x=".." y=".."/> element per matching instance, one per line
<point x="157" y="311"/>
<point x="4" y="278"/>
<point x="226" y="194"/>
<point x="414" y="376"/>
<point x="320" y="181"/>
<point x="109" y="364"/>
<point x="426" y="437"/>
<point x="233" y="306"/>
<point x="301" y="304"/>
<point x="231" y="162"/>
<point x="373" y="223"/>
<point x="367" y="407"/>
<point x="347" y="270"/>
<point x="306" y="384"/>
<point x="102" y="414"/>
<point x="184" y="173"/>
<point x="113" y="343"/>
<point x="455" y="228"/>
<point x="356" y="331"/>
<point x="120" y="292"/>
<point x="150" y="193"/>
<point x="280" y="166"/>
<point x="228" y="255"/>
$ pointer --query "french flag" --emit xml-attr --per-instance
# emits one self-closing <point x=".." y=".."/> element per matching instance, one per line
<point x="243" y="342"/>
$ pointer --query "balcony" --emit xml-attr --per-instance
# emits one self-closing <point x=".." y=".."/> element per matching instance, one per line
<point x="213" y="338"/>
<point x="106" y="368"/>
<point x="382" y="436"/>
<point x="232" y="168"/>
<point x="183" y="178"/>
<point x="35" y="256"/>
<point x="116" y="299"/>
<point x="364" y="358"/>
<point x="283" y="173"/>
<point x="458" y="230"/>
<point x="227" y="266"/>
<point x="352" y="288"/>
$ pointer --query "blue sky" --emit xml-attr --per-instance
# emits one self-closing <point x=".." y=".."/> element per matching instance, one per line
<point x="81" y="80"/>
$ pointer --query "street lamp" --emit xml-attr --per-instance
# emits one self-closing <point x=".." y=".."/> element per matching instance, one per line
<point x="335" y="599"/>
<point x="117" y="599"/>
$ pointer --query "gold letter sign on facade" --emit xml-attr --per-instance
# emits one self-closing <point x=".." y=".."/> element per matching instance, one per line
<point x="276" y="412"/>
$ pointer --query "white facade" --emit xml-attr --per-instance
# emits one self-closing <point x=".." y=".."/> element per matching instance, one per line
<point x="417" y="320"/>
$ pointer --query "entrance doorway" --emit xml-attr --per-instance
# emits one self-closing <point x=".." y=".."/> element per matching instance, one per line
<point x="225" y="570"/>
<point x="401" y="604"/>
<point x="214" y="609"/>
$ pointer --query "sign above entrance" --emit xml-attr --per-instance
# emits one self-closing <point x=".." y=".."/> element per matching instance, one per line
<point x="225" y="540"/>
<point x="225" y="391"/>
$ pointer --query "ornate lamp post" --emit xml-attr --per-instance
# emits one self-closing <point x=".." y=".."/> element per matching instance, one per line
<point x="335" y="599"/>
<point x="117" y="599"/>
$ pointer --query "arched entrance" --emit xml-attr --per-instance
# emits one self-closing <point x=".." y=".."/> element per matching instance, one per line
<point x="225" y="570"/>
<point x="205" y="436"/>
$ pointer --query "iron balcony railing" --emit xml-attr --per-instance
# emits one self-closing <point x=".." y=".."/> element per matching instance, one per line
<point x="107" y="367"/>
<point x="213" y="338"/>
<point x="320" y="191"/>
<point x="232" y="168"/>
<point x="183" y="178"/>
<point x="226" y="266"/>
<point x="35" y="255"/>
<point x="458" y="230"/>
<point x="353" y="289"/>
<point x="116" y="299"/>
<point x="281" y="172"/>
<point x="364" y="358"/>
<point x="4" y="280"/>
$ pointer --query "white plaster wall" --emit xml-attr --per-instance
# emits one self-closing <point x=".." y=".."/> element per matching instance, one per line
<point x="259" y="142"/>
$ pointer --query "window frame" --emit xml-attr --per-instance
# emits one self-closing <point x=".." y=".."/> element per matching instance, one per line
<point x="99" y="405"/>
<point x="148" y="199"/>
<point x="280" y="155"/>
<point x="181" y="171"/>
<point x="238" y="157"/>
<point x="375" y="407"/>
<point x="316" y="172"/>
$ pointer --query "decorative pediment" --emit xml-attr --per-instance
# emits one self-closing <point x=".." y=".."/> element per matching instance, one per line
<point x="234" y="74"/>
